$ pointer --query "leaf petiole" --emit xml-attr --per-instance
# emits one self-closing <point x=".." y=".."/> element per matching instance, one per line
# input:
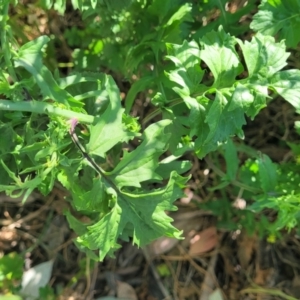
<point x="44" y="108"/>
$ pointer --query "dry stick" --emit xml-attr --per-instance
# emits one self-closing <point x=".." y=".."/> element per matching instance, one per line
<point x="190" y="258"/>
<point x="209" y="280"/>
<point x="259" y="290"/>
<point x="30" y="216"/>
<point x="175" y="281"/>
<point x="156" y="276"/>
<point x="177" y="274"/>
<point x="185" y="256"/>
<point x="189" y="276"/>
<point x="93" y="282"/>
<point x="88" y="278"/>
<point x="60" y="247"/>
<point x="27" y="218"/>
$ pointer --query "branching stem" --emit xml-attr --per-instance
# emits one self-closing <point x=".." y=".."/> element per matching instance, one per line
<point x="75" y="139"/>
<point x="93" y="164"/>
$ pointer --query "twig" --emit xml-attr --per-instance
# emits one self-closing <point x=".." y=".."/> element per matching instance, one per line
<point x="260" y="290"/>
<point x="209" y="280"/>
<point x="88" y="278"/>
<point x="30" y="216"/>
<point x="156" y="276"/>
<point x="93" y="282"/>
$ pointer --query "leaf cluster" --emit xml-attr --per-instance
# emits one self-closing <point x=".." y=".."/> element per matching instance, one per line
<point x="125" y="176"/>
<point x="281" y="18"/>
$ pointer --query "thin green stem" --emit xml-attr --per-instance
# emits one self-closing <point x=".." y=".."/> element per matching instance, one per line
<point x="45" y="108"/>
<point x="233" y="182"/>
<point x="170" y="104"/>
<point x="5" y="43"/>
<point x="157" y="111"/>
<point x="221" y="6"/>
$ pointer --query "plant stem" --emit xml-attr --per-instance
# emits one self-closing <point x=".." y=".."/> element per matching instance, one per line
<point x="233" y="182"/>
<point x="5" y="44"/>
<point x="82" y="149"/>
<point x="45" y="108"/>
<point x="172" y="103"/>
<point x="157" y="111"/>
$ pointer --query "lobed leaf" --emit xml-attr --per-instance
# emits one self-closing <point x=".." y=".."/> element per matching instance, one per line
<point x="220" y="56"/>
<point x="186" y="58"/>
<point x="287" y="84"/>
<point x="140" y="215"/>
<point x="140" y="164"/>
<point x="108" y="129"/>
<point x="279" y="17"/>
<point x="264" y="57"/>
<point x="222" y="124"/>
<point x="218" y="112"/>
<point x="30" y="58"/>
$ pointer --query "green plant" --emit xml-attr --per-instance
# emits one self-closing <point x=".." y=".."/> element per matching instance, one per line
<point x="15" y="283"/>
<point x="11" y="270"/>
<point x="74" y="129"/>
<point x="279" y="17"/>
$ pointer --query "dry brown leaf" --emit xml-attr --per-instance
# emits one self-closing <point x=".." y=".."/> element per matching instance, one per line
<point x="187" y="292"/>
<point x="265" y="277"/>
<point x="124" y="290"/>
<point x="246" y="246"/>
<point x="204" y="241"/>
